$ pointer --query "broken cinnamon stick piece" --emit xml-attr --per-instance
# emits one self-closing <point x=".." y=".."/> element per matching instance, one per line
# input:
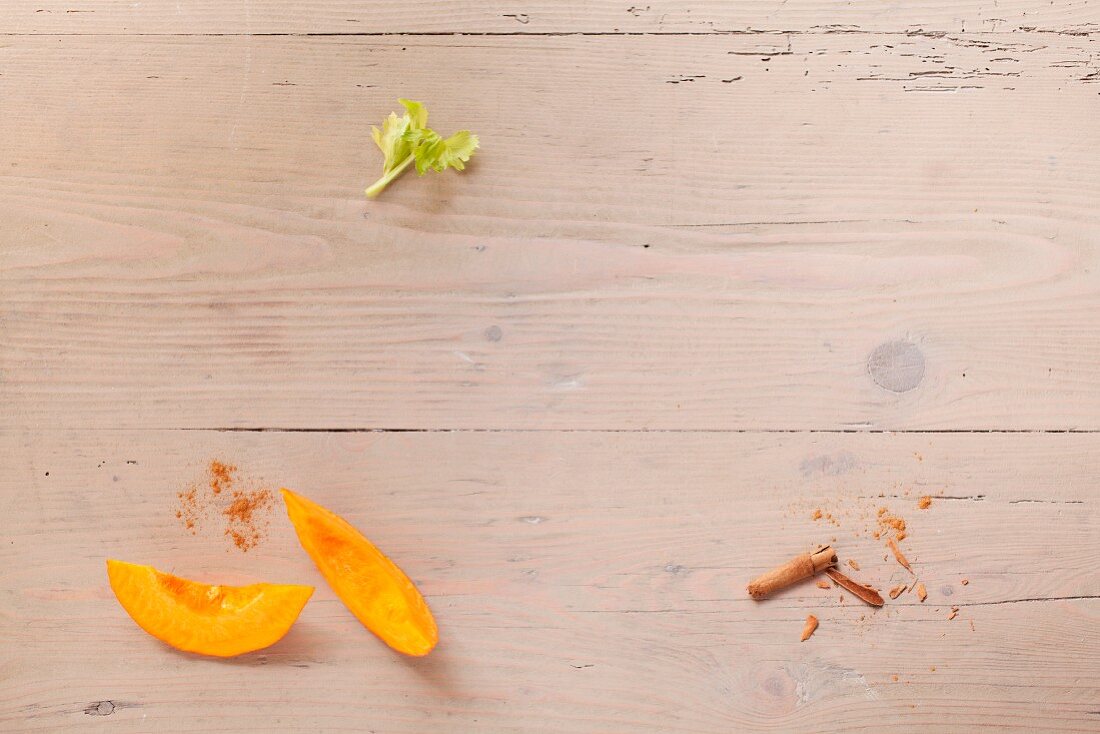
<point x="893" y="546"/>
<point x="896" y="591"/>
<point x="853" y="564"/>
<point x="796" y="569"/>
<point x="823" y="585"/>
<point x="811" y="625"/>
<point x="866" y="593"/>
<point x="954" y="611"/>
<point x="922" y="593"/>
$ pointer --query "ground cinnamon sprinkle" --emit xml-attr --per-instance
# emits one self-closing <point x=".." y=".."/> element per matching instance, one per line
<point x="189" y="509"/>
<point x="221" y="476"/>
<point x="924" y="502"/>
<point x="242" y="513"/>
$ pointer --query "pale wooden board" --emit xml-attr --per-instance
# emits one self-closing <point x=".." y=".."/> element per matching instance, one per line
<point x="541" y="16"/>
<point x="582" y="581"/>
<point x="714" y="224"/>
<point x="639" y="245"/>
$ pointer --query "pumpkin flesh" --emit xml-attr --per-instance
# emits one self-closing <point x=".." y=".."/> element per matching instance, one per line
<point x="376" y="591"/>
<point x="222" y="621"/>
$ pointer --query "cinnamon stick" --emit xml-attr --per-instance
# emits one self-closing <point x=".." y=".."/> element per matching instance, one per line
<point x="796" y="569"/>
<point x="866" y="593"/>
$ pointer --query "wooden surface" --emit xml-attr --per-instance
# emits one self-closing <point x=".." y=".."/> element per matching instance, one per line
<point x="717" y="265"/>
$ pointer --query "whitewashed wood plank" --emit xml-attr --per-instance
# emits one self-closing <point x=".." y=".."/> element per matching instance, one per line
<point x="184" y="243"/>
<point x="542" y="16"/>
<point x="582" y="582"/>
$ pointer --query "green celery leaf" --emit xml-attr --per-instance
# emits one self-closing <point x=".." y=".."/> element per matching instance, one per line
<point x="390" y="139"/>
<point x="407" y="139"/>
<point x="438" y="154"/>
<point x="417" y="114"/>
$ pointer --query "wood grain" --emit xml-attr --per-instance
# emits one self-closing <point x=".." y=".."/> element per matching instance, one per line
<point x="185" y="243"/>
<point x="542" y="16"/>
<point x="710" y="256"/>
<point x="575" y="591"/>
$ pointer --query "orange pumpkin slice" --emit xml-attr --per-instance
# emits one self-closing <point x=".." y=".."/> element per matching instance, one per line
<point x="370" y="584"/>
<point x="210" y="620"/>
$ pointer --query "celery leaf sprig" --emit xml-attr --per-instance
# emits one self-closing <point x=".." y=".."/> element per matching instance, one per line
<point x="408" y="140"/>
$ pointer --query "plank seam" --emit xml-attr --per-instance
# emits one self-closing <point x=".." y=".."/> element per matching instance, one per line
<point x="376" y="429"/>
<point x="563" y="34"/>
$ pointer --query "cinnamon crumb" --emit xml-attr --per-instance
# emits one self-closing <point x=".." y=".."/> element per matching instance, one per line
<point x="964" y="582"/>
<point x="922" y="593"/>
<point x="924" y="502"/>
<point x="893" y="546"/>
<point x="954" y="612"/>
<point x="933" y="668"/>
<point x="811" y="625"/>
<point x="896" y="591"/>
<point x="895" y="678"/>
<point x="897" y="525"/>
<point x="823" y="585"/>
<point x="972" y="625"/>
<point x="853" y="564"/>
<point x="816" y="515"/>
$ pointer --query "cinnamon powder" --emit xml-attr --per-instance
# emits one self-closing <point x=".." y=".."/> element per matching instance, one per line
<point x="221" y="476"/>
<point x="241" y="503"/>
<point x="188" y="512"/>
<point x="241" y="512"/>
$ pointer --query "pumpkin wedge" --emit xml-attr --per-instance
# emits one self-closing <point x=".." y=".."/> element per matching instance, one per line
<point x="210" y="620"/>
<point x="370" y="584"/>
